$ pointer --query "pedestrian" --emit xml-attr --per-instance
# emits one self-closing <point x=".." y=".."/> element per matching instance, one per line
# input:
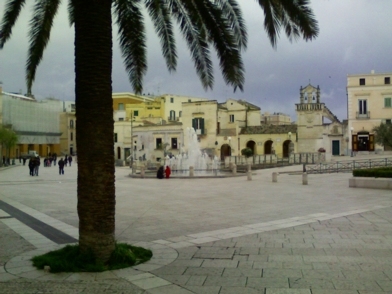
<point x="54" y="158"/>
<point x="70" y="159"/>
<point x="31" y="166"/>
<point x="37" y="163"/>
<point x="65" y="160"/>
<point x="61" y="166"/>
<point x="160" y="173"/>
<point x="24" y="160"/>
<point x="167" y="172"/>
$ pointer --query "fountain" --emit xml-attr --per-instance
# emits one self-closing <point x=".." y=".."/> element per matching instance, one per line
<point x="189" y="156"/>
<point x="201" y="162"/>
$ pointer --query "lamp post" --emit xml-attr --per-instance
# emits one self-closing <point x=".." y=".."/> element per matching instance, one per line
<point x="132" y="146"/>
<point x="352" y="144"/>
<point x="229" y="138"/>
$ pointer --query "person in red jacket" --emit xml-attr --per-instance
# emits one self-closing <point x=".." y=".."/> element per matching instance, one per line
<point x="167" y="172"/>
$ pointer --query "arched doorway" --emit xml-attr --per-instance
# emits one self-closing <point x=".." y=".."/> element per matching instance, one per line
<point x="286" y="148"/>
<point x="225" y="151"/>
<point x="251" y="145"/>
<point x="268" y="147"/>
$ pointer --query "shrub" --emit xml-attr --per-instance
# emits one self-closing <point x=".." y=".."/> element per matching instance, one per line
<point x="247" y="152"/>
<point x="70" y="259"/>
<point x="380" y="172"/>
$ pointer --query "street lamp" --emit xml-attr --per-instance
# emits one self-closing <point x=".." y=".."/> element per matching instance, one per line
<point x="229" y="138"/>
<point x="352" y="143"/>
<point x="132" y="146"/>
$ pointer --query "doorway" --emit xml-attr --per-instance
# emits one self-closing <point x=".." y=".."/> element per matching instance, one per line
<point x="335" y="147"/>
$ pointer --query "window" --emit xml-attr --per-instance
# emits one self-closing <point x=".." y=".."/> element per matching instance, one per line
<point x="231" y="118"/>
<point x="121" y="106"/>
<point x="171" y="100"/>
<point x="172" y="115"/>
<point x="174" y="143"/>
<point x="120" y="119"/>
<point x="71" y="136"/>
<point x="71" y="123"/>
<point x="115" y="137"/>
<point x="387" y="102"/>
<point x="218" y="128"/>
<point x="388" y="121"/>
<point x="158" y="142"/>
<point x="362" y="82"/>
<point x="198" y="125"/>
<point x="362" y="106"/>
<point x="387" y="80"/>
<point x="136" y="113"/>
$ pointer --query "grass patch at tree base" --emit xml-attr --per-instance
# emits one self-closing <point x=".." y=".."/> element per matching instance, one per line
<point x="70" y="259"/>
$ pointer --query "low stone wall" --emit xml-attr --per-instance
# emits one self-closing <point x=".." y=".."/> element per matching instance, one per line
<point x="371" y="183"/>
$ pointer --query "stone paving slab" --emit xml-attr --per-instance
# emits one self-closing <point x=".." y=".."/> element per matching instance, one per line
<point x="339" y="242"/>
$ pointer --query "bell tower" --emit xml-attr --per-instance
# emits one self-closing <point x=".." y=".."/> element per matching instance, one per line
<point x="310" y="119"/>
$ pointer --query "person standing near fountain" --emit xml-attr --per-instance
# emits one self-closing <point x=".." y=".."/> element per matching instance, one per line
<point x="160" y="172"/>
<point x="167" y="172"/>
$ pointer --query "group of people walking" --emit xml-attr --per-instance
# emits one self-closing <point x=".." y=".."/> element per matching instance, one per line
<point x="35" y="162"/>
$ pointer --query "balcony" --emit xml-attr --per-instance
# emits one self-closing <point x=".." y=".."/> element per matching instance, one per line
<point x="362" y="115"/>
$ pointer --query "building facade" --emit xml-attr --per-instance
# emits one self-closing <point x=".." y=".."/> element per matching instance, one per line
<point x="318" y="129"/>
<point x="36" y="123"/>
<point x="369" y="103"/>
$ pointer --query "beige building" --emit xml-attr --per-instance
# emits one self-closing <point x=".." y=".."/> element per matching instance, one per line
<point x="277" y="118"/>
<point x="218" y="124"/>
<point x="317" y="127"/>
<point x="68" y="129"/>
<point x="369" y="103"/>
<point x="156" y="116"/>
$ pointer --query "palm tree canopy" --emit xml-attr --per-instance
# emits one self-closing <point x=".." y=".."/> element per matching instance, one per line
<point x="204" y="24"/>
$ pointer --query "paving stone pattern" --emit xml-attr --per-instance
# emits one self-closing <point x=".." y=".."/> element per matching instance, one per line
<point x="212" y="236"/>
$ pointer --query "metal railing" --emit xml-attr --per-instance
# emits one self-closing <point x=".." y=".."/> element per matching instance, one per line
<point x="346" y="166"/>
<point x="276" y="159"/>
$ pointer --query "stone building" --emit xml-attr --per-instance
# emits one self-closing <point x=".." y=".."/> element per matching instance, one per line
<point x="369" y="103"/>
<point x="68" y="128"/>
<point x="317" y="127"/>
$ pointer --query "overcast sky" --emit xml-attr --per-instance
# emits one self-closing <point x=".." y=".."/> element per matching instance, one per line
<point x="355" y="37"/>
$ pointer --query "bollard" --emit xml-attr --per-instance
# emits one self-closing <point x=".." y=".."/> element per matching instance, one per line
<point x="234" y="170"/>
<point x="274" y="177"/>
<point x="191" y="171"/>
<point x="304" y="179"/>
<point x="142" y="171"/>
<point x="249" y="175"/>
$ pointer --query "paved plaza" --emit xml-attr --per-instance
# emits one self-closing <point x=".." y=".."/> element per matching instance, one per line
<point x="218" y="236"/>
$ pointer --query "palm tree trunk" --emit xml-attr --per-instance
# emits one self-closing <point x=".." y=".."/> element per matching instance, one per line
<point x="94" y="123"/>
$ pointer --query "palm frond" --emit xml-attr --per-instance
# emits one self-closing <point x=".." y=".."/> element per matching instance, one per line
<point x="193" y="32"/>
<point x="295" y="16"/>
<point x="160" y="16"/>
<point x="222" y="36"/>
<point x="11" y="14"/>
<point x="299" y="19"/>
<point x="231" y="10"/>
<point x="272" y="19"/>
<point x="71" y="12"/>
<point x="41" y="25"/>
<point x="132" y="40"/>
